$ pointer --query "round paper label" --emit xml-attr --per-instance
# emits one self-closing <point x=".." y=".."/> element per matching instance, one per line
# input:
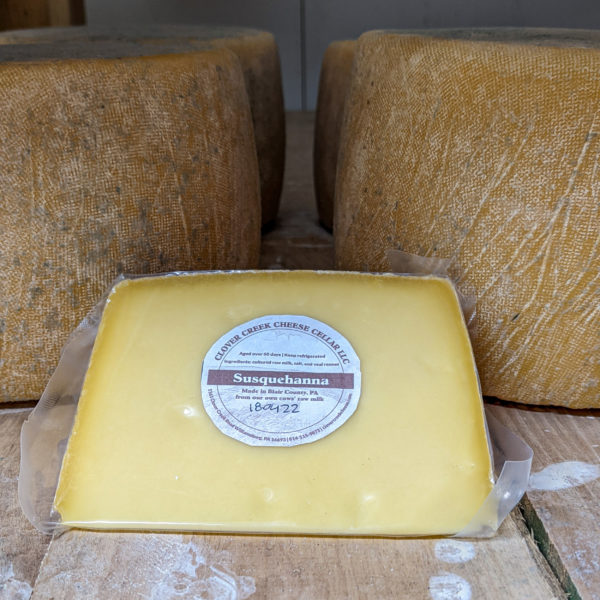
<point x="280" y="380"/>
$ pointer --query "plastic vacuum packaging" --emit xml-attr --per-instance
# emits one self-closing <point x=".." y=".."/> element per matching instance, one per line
<point x="300" y="402"/>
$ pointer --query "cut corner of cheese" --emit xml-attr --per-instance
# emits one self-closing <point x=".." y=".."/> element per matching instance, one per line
<point x="301" y="402"/>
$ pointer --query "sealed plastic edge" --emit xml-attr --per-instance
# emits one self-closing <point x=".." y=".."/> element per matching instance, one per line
<point x="45" y="433"/>
<point x="513" y="460"/>
<point x="510" y="455"/>
<point x="412" y="264"/>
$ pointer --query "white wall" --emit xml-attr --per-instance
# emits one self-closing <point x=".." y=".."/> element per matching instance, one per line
<point x="304" y="28"/>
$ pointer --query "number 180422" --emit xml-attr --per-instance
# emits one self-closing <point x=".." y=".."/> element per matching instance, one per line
<point x="276" y="408"/>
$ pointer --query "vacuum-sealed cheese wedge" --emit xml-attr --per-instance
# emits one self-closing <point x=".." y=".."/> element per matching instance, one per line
<point x="285" y="402"/>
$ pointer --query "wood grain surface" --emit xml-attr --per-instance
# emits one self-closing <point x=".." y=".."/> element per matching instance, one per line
<point x="21" y="546"/>
<point x="148" y="565"/>
<point x="562" y="505"/>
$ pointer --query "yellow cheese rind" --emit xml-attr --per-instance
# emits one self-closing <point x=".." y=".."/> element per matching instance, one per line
<point x="485" y="151"/>
<point x="334" y="83"/>
<point x="136" y="164"/>
<point x="412" y="459"/>
<point x="259" y="58"/>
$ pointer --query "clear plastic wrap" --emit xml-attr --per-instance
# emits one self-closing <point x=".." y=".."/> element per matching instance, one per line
<point x="45" y="434"/>
<point x="512" y="456"/>
<point x="411" y="264"/>
<point x="512" y="461"/>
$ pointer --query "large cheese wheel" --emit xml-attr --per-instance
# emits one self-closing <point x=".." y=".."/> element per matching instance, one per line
<point x="113" y="163"/>
<point x="486" y="151"/>
<point x="333" y="85"/>
<point x="258" y="56"/>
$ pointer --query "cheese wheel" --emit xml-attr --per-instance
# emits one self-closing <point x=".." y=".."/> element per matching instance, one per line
<point x="258" y="56"/>
<point x="485" y="151"/>
<point x="334" y="82"/>
<point x="113" y="163"/>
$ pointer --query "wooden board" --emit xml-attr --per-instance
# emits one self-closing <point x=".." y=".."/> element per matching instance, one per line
<point x="94" y="565"/>
<point x="21" y="546"/>
<point x="562" y="505"/>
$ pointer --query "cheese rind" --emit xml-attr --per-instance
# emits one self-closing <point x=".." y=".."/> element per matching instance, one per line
<point x="143" y="453"/>
<point x="334" y="82"/>
<point x="484" y="150"/>
<point x="259" y="58"/>
<point x="125" y="163"/>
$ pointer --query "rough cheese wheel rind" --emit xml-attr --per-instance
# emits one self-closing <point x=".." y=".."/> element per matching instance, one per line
<point x="334" y="82"/>
<point x="336" y="73"/>
<point x="258" y="55"/>
<point x="486" y="152"/>
<point x="110" y="165"/>
<point x="259" y="58"/>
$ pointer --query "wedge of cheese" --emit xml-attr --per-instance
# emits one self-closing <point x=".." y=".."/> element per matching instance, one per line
<point x="145" y="453"/>
<point x="334" y="82"/>
<point x="124" y="159"/>
<point x="482" y="147"/>
<point x="259" y="58"/>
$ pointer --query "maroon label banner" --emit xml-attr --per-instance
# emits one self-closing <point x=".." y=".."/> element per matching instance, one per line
<point x="343" y="381"/>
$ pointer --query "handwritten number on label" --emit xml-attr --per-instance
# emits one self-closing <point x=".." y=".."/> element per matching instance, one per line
<point x="277" y="408"/>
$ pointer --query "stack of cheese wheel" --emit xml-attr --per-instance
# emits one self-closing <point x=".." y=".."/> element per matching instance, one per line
<point x="259" y="59"/>
<point x="333" y="85"/>
<point x="115" y="158"/>
<point x="483" y="147"/>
